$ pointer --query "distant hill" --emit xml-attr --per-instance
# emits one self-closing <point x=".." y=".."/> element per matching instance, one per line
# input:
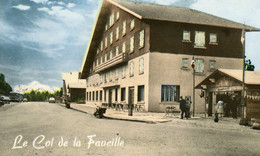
<point x="35" y="85"/>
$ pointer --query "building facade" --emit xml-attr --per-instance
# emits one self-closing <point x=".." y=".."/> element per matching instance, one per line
<point x="140" y="54"/>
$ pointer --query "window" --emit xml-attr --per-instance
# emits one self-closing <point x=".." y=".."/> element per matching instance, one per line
<point x="111" y="20"/>
<point x="131" y="70"/>
<point x="123" y="71"/>
<point x="101" y="78"/>
<point x="96" y="95"/>
<point x="110" y="75"/>
<point x="212" y="64"/>
<point x="93" y="96"/>
<point x="131" y="44"/>
<point x="111" y="54"/>
<point x="89" y="96"/>
<point x="186" y="35"/>
<point x="101" y="45"/>
<point x="123" y="48"/>
<point x="213" y="38"/>
<point x="106" y="27"/>
<point x="117" y="33"/>
<point x="116" y="95"/>
<point x="122" y="94"/>
<point x="116" y="74"/>
<point x="111" y="37"/>
<point x="199" y="39"/>
<point x="141" y="65"/>
<point x="117" y="15"/>
<point x="117" y="51"/>
<point x="141" y="39"/>
<point x="124" y="28"/>
<point x="184" y="62"/>
<point x="100" y="95"/>
<point x="132" y="24"/>
<point x="199" y="66"/>
<point x="170" y="93"/>
<point x="106" y="42"/>
<point x="97" y="51"/>
<point x="140" y="93"/>
<point x="105" y="57"/>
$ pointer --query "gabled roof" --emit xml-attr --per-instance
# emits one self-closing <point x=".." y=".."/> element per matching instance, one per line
<point x="176" y="14"/>
<point x="152" y="12"/>
<point x="251" y="77"/>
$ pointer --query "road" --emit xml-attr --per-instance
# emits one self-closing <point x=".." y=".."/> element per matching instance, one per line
<point x="39" y="128"/>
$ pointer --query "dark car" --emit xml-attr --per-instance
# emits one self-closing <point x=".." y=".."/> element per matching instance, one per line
<point x="5" y="99"/>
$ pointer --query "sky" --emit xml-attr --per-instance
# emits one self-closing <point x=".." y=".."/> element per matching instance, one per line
<point x="40" y="39"/>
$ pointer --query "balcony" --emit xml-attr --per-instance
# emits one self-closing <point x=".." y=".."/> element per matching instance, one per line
<point x="111" y="62"/>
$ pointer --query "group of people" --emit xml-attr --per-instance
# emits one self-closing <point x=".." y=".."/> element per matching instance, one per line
<point x="185" y="108"/>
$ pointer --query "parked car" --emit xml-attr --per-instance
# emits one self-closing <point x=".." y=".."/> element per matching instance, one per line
<point x="1" y="103"/>
<point x="5" y="99"/>
<point x="51" y="100"/>
<point x="25" y="100"/>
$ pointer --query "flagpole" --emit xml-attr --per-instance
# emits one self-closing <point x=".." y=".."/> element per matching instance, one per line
<point x="193" y="85"/>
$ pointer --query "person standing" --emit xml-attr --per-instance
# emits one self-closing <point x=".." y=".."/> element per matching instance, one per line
<point x="187" y="109"/>
<point x="220" y="108"/>
<point x="182" y="106"/>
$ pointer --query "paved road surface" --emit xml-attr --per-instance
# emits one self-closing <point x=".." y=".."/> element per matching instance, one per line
<point x="45" y="128"/>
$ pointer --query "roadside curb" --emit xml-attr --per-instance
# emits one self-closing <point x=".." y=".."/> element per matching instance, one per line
<point x="113" y="117"/>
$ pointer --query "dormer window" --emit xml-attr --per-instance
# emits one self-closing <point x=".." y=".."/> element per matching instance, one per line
<point x="132" y="24"/>
<point x="213" y="38"/>
<point x="186" y="35"/>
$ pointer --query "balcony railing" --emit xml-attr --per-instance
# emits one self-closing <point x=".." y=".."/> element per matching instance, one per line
<point x="111" y="62"/>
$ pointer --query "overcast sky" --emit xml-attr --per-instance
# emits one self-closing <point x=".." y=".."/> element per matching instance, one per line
<point x="39" y="39"/>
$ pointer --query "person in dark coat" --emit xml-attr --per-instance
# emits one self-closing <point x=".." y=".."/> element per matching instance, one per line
<point x="182" y="106"/>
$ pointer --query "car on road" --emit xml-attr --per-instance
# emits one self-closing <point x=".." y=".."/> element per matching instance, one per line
<point x="5" y="99"/>
<point x="25" y="100"/>
<point x="51" y="100"/>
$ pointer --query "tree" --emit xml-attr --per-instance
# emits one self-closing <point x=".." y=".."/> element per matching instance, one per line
<point x="5" y="88"/>
<point x="248" y="65"/>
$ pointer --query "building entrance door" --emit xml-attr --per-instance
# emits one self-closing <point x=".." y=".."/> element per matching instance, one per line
<point x="210" y="104"/>
<point x="131" y="101"/>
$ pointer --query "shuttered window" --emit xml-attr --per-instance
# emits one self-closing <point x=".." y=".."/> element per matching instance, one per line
<point x="124" y="28"/>
<point x="111" y="37"/>
<point x="123" y="47"/>
<point x="123" y="71"/>
<point x="199" y="39"/>
<point x="199" y="66"/>
<point x="132" y="44"/>
<point x="131" y="70"/>
<point x="141" y="39"/>
<point x="117" y="33"/>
